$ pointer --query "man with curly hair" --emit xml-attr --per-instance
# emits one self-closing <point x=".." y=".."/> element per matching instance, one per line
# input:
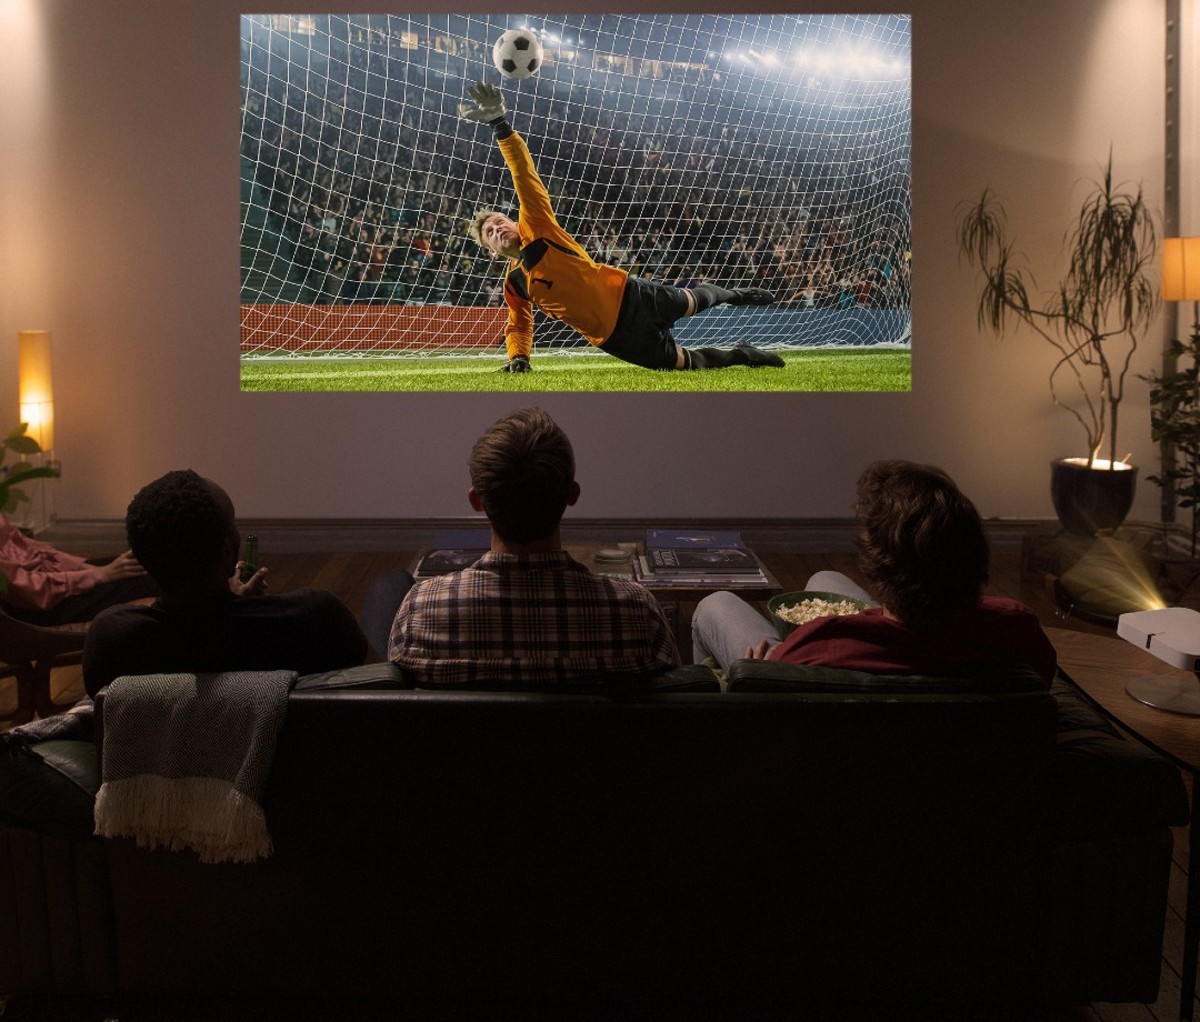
<point x="924" y="556"/>
<point x="183" y="531"/>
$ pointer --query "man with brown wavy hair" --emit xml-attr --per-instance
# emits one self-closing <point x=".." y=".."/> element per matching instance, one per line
<point x="921" y="545"/>
<point x="523" y="477"/>
<point x="924" y="556"/>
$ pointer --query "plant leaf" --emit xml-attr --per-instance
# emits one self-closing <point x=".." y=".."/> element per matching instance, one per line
<point x="42" y="472"/>
<point x="24" y="445"/>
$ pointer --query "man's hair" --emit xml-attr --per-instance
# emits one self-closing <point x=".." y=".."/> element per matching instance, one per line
<point x="522" y="469"/>
<point x="177" y="527"/>
<point x="475" y="227"/>
<point x="921" y="543"/>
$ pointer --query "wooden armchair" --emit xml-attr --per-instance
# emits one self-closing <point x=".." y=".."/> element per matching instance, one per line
<point x="28" y="653"/>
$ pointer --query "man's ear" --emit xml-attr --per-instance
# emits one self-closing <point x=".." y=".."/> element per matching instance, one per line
<point x="474" y="499"/>
<point x="572" y="493"/>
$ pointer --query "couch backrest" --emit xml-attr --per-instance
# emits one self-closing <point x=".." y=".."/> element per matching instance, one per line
<point x="716" y="846"/>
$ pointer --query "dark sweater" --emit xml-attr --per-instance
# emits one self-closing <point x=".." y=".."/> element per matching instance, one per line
<point x="307" y="631"/>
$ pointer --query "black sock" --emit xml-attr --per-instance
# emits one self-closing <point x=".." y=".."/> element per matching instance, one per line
<point x="708" y="295"/>
<point x="713" y="358"/>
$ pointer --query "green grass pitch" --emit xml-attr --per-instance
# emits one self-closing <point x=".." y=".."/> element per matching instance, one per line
<point x="805" y="371"/>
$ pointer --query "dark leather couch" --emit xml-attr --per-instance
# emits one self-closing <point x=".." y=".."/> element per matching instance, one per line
<point x="804" y="837"/>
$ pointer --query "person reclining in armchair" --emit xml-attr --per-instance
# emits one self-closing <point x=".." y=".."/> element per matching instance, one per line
<point x="923" y="551"/>
<point x="46" y="586"/>
<point x="182" y="529"/>
<point x="526" y="611"/>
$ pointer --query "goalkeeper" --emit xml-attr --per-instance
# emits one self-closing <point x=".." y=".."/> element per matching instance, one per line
<point x="623" y="315"/>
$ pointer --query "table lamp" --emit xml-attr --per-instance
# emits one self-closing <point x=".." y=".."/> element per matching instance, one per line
<point x="1173" y="635"/>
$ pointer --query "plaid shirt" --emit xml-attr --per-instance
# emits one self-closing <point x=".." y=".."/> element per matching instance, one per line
<point x="536" y="618"/>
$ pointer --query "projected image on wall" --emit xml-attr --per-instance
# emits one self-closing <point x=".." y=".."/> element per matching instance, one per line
<point x="629" y="202"/>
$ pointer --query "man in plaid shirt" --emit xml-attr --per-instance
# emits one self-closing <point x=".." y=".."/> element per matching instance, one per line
<point x="526" y="611"/>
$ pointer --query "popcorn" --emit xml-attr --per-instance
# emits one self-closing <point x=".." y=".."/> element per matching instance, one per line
<point x="807" y="610"/>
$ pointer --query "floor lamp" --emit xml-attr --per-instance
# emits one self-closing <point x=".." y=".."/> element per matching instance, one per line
<point x="35" y="398"/>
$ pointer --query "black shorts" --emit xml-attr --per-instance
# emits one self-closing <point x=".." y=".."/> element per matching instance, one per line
<point x="643" y="331"/>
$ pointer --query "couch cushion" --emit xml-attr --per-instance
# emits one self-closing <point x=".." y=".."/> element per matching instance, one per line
<point x="688" y="678"/>
<point x="770" y="676"/>
<point x="1108" y="787"/>
<point x="364" y="676"/>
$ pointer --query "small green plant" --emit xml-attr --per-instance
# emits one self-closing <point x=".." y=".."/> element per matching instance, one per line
<point x="17" y="442"/>
<point x="1095" y="316"/>
<point x="1175" y="421"/>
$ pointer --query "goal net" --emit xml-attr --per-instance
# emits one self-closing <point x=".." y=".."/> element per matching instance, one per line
<point x="749" y="150"/>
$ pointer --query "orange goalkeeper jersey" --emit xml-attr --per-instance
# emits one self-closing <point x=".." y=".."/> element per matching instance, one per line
<point x="553" y="271"/>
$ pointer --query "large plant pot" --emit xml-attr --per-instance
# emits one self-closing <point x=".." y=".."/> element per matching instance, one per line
<point x="1089" y="500"/>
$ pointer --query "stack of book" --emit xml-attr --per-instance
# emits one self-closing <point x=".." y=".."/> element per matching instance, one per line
<point x="711" y="559"/>
<point x="452" y="550"/>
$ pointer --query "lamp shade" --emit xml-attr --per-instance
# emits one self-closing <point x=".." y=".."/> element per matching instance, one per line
<point x="1181" y="270"/>
<point x="36" y="386"/>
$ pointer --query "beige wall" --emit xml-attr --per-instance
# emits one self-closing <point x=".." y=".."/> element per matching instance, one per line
<point x="119" y="227"/>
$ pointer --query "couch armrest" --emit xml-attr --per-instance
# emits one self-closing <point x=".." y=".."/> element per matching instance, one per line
<point x="50" y="788"/>
<point x="1108" y="787"/>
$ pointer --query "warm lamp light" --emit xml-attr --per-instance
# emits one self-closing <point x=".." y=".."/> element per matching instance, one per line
<point x="36" y="386"/>
<point x="1181" y="270"/>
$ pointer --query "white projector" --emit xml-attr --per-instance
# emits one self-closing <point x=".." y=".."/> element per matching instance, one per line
<point x="1173" y="635"/>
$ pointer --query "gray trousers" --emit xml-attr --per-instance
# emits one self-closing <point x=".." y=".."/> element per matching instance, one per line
<point x="725" y="626"/>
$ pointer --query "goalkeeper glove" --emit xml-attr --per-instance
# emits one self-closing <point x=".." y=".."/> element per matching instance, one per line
<point x="488" y="105"/>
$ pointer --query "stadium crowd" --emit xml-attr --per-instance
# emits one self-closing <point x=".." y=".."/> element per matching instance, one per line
<point x="367" y="192"/>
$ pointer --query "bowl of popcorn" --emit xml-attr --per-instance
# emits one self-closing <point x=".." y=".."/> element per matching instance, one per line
<point x="788" y="610"/>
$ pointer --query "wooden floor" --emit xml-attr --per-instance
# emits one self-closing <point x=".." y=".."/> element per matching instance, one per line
<point x="348" y="573"/>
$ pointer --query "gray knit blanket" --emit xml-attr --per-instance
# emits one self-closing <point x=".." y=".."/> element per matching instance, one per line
<point x="186" y="758"/>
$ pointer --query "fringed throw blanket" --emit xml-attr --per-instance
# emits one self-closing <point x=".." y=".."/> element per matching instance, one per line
<point x="186" y="758"/>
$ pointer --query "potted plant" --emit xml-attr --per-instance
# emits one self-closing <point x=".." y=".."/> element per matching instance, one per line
<point x="20" y="471"/>
<point x="1175" y="421"/>
<point x="1093" y="319"/>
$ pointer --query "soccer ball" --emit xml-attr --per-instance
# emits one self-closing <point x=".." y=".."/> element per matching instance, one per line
<point x="517" y="54"/>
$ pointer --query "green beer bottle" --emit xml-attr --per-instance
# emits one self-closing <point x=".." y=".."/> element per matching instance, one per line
<point x="250" y="559"/>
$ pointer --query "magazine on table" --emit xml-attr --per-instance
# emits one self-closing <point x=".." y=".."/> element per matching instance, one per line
<point x="453" y="550"/>
<point x="648" y="575"/>
<point x="693" y="539"/>
<point x="710" y="561"/>
<point x="440" y="562"/>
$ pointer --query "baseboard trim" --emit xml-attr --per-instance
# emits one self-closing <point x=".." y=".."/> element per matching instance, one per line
<point x="93" y="537"/>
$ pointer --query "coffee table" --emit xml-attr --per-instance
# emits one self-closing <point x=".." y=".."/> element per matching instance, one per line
<point x="1100" y="667"/>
